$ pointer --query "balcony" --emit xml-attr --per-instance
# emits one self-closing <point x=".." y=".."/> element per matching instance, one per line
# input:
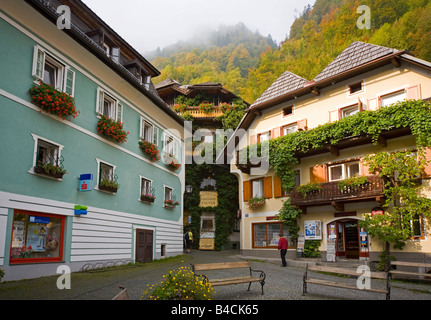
<point x="330" y="193"/>
<point x="196" y="113"/>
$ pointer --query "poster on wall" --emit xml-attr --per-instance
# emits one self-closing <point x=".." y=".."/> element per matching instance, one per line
<point x="313" y="230"/>
<point x="36" y="237"/>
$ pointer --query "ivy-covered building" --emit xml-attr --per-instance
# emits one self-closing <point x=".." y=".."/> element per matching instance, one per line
<point x="311" y="179"/>
<point x="82" y="130"/>
<point x="211" y="197"/>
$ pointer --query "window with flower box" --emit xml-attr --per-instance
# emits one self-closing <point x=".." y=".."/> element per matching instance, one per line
<point x="149" y="132"/>
<point x="106" y="179"/>
<point x="108" y="106"/>
<point x="47" y="159"/>
<point x="52" y="71"/>
<point x="147" y="190"/>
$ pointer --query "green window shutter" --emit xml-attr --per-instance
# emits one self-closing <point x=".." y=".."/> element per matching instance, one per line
<point x="69" y="82"/>
<point x="38" y="62"/>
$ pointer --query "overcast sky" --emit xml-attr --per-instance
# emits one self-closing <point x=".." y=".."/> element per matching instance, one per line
<point x="147" y="25"/>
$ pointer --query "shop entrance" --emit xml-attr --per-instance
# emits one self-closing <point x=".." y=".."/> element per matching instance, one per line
<point x="144" y="245"/>
<point x="346" y="233"/>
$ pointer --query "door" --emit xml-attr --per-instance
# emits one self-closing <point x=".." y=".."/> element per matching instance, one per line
<point x="144" y="245"/>
<point x="352" y="240"/>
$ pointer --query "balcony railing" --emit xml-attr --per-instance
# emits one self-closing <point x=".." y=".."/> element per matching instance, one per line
<point x="196" y="113"/>
<point x="331" y="193"/>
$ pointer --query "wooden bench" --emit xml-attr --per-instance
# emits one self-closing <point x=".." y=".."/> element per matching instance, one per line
<point x="344" y="285"/>
<point x="408" y="274"/>
<point x="233" y="280"/>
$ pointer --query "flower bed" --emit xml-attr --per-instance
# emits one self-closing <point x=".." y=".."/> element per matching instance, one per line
<point x="150" y="149"/>
<point x="112" y="129"/>
<point x="53" y="101"/>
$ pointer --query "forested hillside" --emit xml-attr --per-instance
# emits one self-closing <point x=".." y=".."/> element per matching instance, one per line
<point x="316" y="37"/>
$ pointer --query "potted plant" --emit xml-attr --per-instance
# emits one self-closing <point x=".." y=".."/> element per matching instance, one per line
<point x="148" y="197"/>
<point x="349" y="184"/>
<point x="206" y="107"/>
<point x="180" y="107"/>
<point x="308" y="188"/>
<point x="171" y="204"/>
<point x="172" y="162"/>
<point x="53" y="101"/>
<point x="112" y="129"/>
<point x="256" y="202"/>
<point x="49" y="169"/>
<point x="110" y="185"/>
<point x="150" y="149"/>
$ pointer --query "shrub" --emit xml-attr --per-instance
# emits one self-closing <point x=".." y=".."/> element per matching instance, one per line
<point x="180" y="284"/>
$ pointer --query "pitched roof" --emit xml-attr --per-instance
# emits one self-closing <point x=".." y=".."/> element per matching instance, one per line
<point x="287" y="82"/>
<point x="356" y="54"/>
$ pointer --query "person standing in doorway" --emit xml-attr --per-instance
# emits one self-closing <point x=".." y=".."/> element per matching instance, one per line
<point x="189" y="239"/>
<point x="282" y="248"/>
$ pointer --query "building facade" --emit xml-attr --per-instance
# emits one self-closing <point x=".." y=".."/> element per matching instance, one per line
<point x="79" y="187"/>
<point x="363" y="77"/>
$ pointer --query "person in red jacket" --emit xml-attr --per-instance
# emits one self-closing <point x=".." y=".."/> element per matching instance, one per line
<point x="282" y="248"/>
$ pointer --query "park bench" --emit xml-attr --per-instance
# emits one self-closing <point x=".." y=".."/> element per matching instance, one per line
<point x="408" y="274"/>
<point x="340" y="284"/>
<point x="250" y="278"/>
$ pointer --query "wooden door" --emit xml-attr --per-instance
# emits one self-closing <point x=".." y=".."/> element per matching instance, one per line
<point x="144" y="245"/>
<point x="352" y="240"/>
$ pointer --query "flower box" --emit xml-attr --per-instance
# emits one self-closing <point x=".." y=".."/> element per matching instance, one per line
<point x="53" y="101"/>
<point x="112" y="129"/>
<point x="150" y="149"/>
<point x="108" y="185"/>
<point x="50" y="170"/>
<point x="256" y="202"/>
<point x="149" y="198"/>
<point x="171" y="162"/>
<point x="171" y="204"/>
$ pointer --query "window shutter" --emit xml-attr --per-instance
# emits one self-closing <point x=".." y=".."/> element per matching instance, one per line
<point x="333" y="115"/>
<point x="427" y="169"/>
<point x="38" y="62"/>
<point x="413" y="93"/>
<point x="246" y="190"/>
<point x="267" y="187"/>
<point x="253" y="139"/>
<point x="119" y="112"/>
<point x="278" y="190"/>
<point x="372" y="104"/>
<point x="317" y="174"/>
<point x="69" y="82"/>
<point x="99" y="102"/>
<point x="156" y="135"/>
<point x="360" y="105"/>
<point x="302" y="125"/>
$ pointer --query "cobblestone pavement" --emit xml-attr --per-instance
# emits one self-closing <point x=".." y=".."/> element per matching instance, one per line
<point x="280" y="284"/>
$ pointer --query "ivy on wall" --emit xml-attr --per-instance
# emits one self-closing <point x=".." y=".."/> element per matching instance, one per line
<point x="225" y="211"/>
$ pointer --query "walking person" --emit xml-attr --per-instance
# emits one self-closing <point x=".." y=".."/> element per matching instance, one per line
<point x="282" y="248"/>
<point x="189" y="240"/>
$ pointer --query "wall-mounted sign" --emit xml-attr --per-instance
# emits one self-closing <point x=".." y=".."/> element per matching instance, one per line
<point x="208" y="199"/>
<point x="85" y="182"/>
<point x="80" y="210"/>
<point x="313" y="230"/>
<point x="377" y="211"/>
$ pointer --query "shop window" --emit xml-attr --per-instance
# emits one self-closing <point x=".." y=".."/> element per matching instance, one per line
<point x="36" y="237"/>
<point x="266" y="235"/>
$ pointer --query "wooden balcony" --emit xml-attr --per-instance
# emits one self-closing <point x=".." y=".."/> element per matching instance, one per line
<point x="196" y="113"/>
<point x="332" y="194"/>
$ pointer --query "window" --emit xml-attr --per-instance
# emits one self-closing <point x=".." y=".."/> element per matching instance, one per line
<point x="36" y="237"/>
<point x="264" y="136"/>
<point x="149" y="132"/>
<point x="51" y="71"/>
<point x="46" y="153"/>
<point x="392" y="98"/>
<point x="356" y="87"/>
<point x="296" y="179"/>
<point x="349" y="111"/>
<point x="291" y="128"/>
<point x="266" y="235"/>
<point x="169" y="197"/>
<point x="109" y="106"/>
<point x="107" y="179"/>
<point x="258" y="188"/>
<point x="170" y="146"/>
<point x="417" y="227"/>
<point x="343" y="171"/>
<point x="146" y="186"/>
<point x="287" y="111"/>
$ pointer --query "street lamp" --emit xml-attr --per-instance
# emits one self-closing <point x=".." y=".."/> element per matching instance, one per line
<point x="189" y="189"/>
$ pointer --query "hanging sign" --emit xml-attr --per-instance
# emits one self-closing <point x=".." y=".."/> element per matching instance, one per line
<point x="377" y="211"/>
<point x="85" y="182"/>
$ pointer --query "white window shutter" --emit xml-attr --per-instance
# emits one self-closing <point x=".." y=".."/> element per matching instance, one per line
<point x="99" y="102"/>
<point x="333" y="115"/>
<point x="156" y="135"/>
<point x="38" y="62"/>
<point x="119" y="112"/>
<point x="69" y="81"/>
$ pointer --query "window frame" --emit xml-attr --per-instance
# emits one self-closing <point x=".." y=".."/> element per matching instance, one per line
<point x="293" y="125"/>
<point x="349" y="87"/>
<point x="154" y="134"/>
<point x="292" y="111"/>
<point x="282" y="230"/>
<point x="117" y="106"/>
<point x="261" y="182"/>
<point x="393" y="93"/>
<point x="99" y="175"/>
<point x="345" y="169"/>
<point x="165" y="187"/>
<point x="38" y="138"/>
